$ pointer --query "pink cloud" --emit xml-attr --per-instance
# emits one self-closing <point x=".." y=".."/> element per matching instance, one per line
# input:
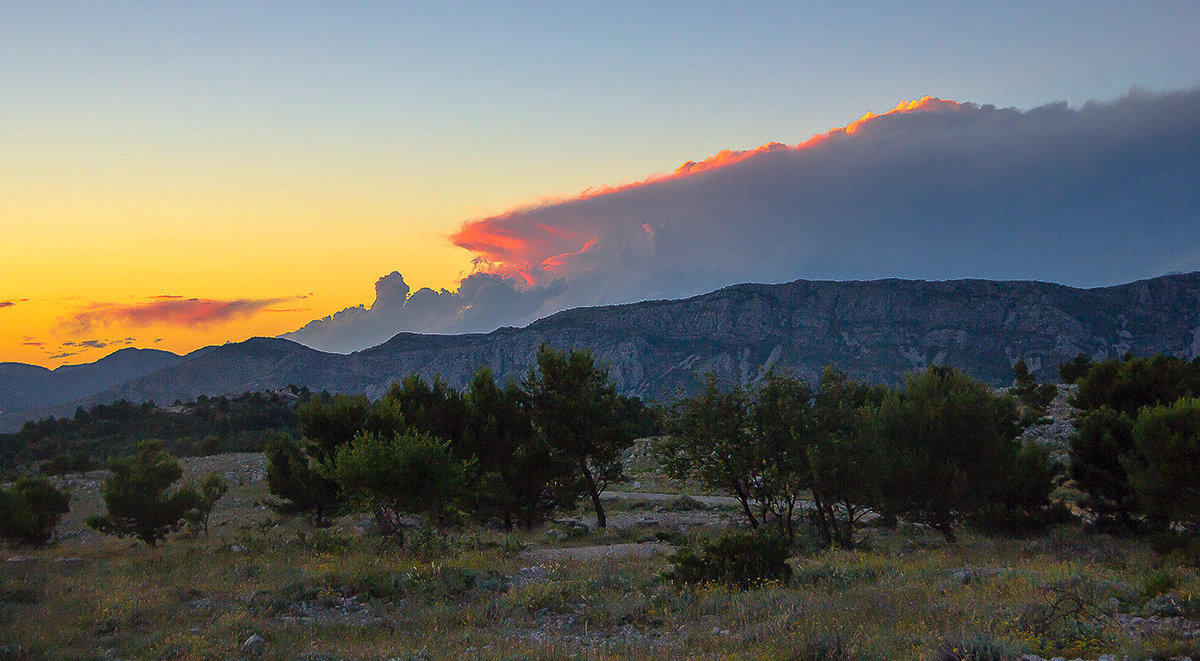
<point x="170" y="310"/>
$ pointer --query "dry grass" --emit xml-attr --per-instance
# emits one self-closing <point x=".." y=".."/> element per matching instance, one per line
<point x="343" y="594"/>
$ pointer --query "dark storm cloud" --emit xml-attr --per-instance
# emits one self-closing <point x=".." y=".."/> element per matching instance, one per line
<point x="1098" y="195"/>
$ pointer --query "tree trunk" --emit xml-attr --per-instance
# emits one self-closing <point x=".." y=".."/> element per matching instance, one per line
<point x="741" y="494"/>
<point x="601" y="521"/>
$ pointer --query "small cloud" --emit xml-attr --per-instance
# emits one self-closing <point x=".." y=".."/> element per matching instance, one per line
<point x="6" y="304"/>
<point x="64" y="354"/>
<point x="93" y="344"/>
<point x="170" y="310"/>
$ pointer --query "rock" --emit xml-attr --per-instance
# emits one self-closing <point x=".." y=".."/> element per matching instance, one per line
<point x="254" y="647"/>
<point x="875" y="330"/>
<point x="1164" y="605"/>
<point x="968" y="574"/>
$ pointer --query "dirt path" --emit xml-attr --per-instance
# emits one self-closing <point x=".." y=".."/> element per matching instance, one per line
<point x="594" y="553"/>
<point x="711" y="501"/>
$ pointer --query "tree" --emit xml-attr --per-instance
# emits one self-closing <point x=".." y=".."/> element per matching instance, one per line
<point x="708" y="436"/>
<point x="408" y="473"/>
<point x="30" y="510"/>
<point x="290" y="476"/>
<point x="1101" y="438"/>
<point x="329" y="423"/>
<point x="518" y="477"/>
<point x="948" y="443"/>
<point x="1165" y="463"/>
<point x="843" y="459"/>
<point x="1069" y="372"/>
<point x="782" y="426"/>
<point x="575" y="408"/>
<point x="1130" y="383"/>
<point x="1027" y="389"/>
<point x="139" y="497"/>
<point x="211" y="488"/>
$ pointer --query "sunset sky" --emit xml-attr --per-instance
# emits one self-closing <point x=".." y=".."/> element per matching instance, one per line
<point x="174" y="175"/>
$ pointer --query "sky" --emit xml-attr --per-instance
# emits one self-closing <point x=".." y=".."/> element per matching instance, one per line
<point x="175" y="175"/>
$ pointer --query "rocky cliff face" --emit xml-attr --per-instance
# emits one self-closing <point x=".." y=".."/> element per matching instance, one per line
<point x="876" y="330"/>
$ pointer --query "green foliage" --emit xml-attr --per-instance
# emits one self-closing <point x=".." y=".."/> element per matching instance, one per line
<point x="949" y="444"/>
<point x="575" y="409"/>
<point x="742" y="559"/>
<point x="30" y="510"/>
<point x="139" y="497"/>
<point x="209" y="425"/>
<point x="519" y="478"/>
<point x="1026" y="388"/>
<point x="77" y="461"/>
<point x="210" y="490"/>
<point x="770" y="445"/>
<point x="1101" y="438"/>
<point x="1159" y="582"/>
<point x="1023" y="496"/>
<point x="1128" y="384"/>
<point x="410" y="473"/>
<point x="290" y="477"/>
<point x="708" y="437"/>
<point x="1165" y="463"/>
<point x="327" y="423"/>
<point x="437" y="410"/>
<point x="843" y="459"/>
<point x="1070" y="371"/>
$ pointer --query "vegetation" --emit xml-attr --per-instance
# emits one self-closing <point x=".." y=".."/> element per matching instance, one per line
<point x="575" y="409"/>
<point x="1136" y="415"/>
<point x="207" y="426"/>
<point x="139" y="496"/>
<point x="410" y="473"/>
<point x="740" y="559"/>
<point x="30" y="510"/>
<point x="871" y="523"/>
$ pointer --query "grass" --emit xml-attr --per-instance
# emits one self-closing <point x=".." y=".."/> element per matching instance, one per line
<point x="337" y="593"/>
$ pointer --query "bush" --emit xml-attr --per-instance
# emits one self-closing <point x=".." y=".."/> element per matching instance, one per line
<point x="1165" y="461"/>
<point x="139" y="498"/>
<point x="30" y="510"/>
<point x="410" y="473"/>
<point x="978" y="647"/>
<point x="742" y="559"/>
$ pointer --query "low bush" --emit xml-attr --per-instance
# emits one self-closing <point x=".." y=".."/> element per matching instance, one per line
<point x="742" y="559"/>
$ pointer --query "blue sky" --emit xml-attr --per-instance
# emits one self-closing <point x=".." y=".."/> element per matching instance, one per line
<point x="241" y="152"/>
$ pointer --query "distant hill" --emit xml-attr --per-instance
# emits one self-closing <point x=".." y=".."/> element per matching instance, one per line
<point x="24" y="387"/>
<point x="876" y="330"/>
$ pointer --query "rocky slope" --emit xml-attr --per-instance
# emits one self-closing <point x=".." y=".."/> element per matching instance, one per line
<point x="876" y="330"/>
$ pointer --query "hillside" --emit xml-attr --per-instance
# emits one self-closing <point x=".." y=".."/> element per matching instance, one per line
<point x="876" y="330"/>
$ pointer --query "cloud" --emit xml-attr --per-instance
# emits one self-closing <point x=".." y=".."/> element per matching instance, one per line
<point x="480" y="300"/>
<point x="933" y="189"/>
<point x="9" y="304"/>
<point x="169" y="310"/>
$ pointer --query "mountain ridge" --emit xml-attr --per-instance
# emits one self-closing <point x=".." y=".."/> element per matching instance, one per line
<point x="874" y="329"/>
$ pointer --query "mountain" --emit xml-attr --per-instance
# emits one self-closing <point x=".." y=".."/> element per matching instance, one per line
<point x="29" y="387"/>
<point x="876" y="330"/>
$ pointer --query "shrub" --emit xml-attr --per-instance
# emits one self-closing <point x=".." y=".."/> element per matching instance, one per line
<point x="978" y="647"/>
<point x="743" y="559"/>
<point x="139" y="498"/>
<point x="1165" y="461"/>
<point x="410" y="473"/>
<point x="30" y="510"/>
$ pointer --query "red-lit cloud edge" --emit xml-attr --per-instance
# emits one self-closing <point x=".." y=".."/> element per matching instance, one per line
<point x="511" y="251"/>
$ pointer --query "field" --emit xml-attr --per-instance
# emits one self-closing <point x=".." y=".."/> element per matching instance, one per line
<point x="565" y="591"/>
